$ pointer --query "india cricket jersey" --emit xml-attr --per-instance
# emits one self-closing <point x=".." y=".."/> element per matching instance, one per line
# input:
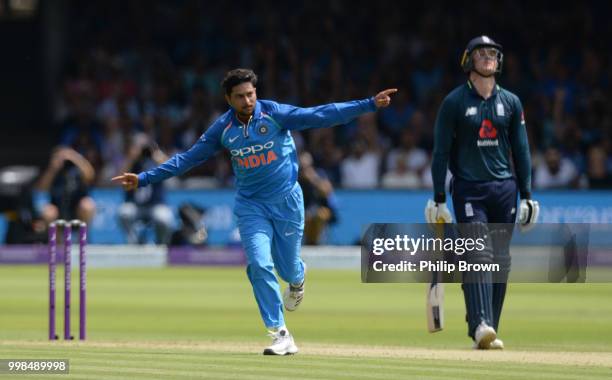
<point x="476" y="139"/>
<point x="262" y="150"/>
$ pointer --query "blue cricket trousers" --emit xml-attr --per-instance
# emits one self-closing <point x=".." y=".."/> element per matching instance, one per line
<point x="271" y="234"/>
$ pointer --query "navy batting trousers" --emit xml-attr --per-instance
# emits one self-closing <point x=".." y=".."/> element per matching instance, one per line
<point x="482" y="203"/>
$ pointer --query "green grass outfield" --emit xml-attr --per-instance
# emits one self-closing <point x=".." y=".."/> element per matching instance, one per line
<point x="203" y="323"/>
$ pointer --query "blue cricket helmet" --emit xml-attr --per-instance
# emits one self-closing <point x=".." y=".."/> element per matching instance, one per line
<point x="481" y="41"/>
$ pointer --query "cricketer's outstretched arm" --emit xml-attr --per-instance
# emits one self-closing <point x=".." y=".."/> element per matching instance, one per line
<point x="206" y="146"/>
<point x="328" y="115"/>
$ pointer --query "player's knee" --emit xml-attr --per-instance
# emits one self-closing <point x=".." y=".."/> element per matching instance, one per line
<point x="477" y="232"/>
<point x="260" y="271"/>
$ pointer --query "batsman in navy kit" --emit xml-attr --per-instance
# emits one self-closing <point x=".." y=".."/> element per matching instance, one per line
<point x="269" y="202"/>
<point x="480" y="135"/>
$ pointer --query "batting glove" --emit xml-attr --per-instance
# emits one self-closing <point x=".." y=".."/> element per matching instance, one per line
<point x="437" y="213"/>
<point x="528" y="214"/>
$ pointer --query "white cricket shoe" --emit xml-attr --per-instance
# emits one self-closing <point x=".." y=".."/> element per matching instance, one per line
<point x="294" y="294"/>
<point x="282" y="343"/>
<point x="484" y="335"/>
<point x="497" y="344"/>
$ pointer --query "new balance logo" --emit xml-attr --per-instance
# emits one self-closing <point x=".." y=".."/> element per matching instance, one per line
<point x="470" y="111"/>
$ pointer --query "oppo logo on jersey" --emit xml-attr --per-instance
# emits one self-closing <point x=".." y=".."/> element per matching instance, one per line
<point x="250" y="157"/>
<point x="251" y="149"/>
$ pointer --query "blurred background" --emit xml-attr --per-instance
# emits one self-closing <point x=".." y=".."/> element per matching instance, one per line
<point x="94" y="88"/>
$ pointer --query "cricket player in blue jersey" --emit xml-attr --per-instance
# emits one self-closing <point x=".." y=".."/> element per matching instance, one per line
<point x="480" y="134"/>
<point x="269" y="204"/>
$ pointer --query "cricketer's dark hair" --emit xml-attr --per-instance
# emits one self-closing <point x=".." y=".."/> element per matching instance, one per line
<point x="238" y="76"/>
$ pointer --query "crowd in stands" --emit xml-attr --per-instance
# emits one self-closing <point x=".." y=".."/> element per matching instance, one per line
<point x="155" y="69"/>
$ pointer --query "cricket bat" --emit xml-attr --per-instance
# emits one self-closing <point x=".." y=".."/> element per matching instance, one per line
<point x="435" y="294"/>
<point x="435" y="305"/>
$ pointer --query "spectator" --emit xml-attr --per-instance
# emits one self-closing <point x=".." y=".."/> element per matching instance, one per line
<point x="400" y="176"/>
<point x="192" y="230"/>
<point x="598" y="174"/>
<point x="116" y="133"/>
<point x="25" y="224"/>
<point x="415" y="159"/>
<point x="82" y="132"/>
<point x="118" y="94"/>
<point x="319" y="200"/>
<point x="327" y="155"/>
<point x="367" y="130"/>
<point x="67" y="178"/>
<point x="398" y="115"/>
<point x="555" y="172"/>
<point x="360" y="170"/>
<point x="145" y="205"/>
